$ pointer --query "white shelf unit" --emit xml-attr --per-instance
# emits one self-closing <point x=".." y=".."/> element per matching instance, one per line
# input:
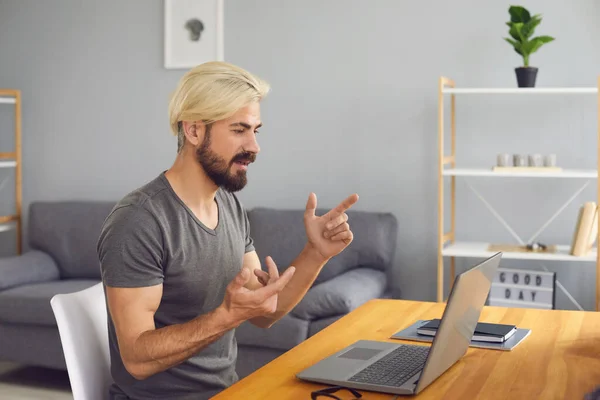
<point x="12" y="160"/>
<point x="448" y="245"/>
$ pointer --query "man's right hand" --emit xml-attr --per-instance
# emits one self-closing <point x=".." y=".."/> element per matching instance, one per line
<point x="146" y="350"/>
<point x="242" y="304"/>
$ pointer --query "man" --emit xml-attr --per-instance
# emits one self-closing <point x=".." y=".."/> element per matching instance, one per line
<point x="176" y="255"/>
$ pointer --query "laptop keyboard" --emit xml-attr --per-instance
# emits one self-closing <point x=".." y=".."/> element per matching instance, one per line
<point x="395" y="368"/>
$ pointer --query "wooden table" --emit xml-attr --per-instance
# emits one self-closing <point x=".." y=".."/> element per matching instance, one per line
<point x="559" y="360"/>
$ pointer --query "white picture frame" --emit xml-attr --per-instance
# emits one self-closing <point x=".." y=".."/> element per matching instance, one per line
<point x="193" y="32"/>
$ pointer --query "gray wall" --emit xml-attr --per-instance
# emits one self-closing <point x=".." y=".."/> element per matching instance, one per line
<point x="353" y="109"/>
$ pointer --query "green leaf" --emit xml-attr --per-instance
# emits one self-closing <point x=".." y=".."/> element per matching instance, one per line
<point x="529" y="27"/>
<point x="515" y="44"/>
<point x="516" y="31"/>
<point x="519" y="14"/>
<point x="534" y="44"/>
<point x="544" y="39"/>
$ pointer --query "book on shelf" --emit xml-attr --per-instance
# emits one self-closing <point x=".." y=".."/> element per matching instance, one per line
<point x="484" y="331"/>
<point x="586" y="229"/>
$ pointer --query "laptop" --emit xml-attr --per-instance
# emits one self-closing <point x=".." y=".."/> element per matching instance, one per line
<point x="408" y="369"/>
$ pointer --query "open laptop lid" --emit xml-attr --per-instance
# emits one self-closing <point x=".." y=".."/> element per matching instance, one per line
<point x="459" y="320"/>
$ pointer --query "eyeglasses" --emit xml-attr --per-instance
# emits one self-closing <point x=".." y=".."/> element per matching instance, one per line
<point x="327" y="392"/>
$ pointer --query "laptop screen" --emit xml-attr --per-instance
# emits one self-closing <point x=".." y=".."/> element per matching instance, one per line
<point x="460" y="317"/>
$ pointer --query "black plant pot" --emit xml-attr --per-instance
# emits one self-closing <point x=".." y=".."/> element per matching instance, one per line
<point x="526" y="76"/>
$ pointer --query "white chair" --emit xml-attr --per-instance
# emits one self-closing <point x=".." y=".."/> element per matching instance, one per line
<point x="81" y="318"/>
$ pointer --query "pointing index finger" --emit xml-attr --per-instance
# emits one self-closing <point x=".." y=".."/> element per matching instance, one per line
<point x="346" y="204"/>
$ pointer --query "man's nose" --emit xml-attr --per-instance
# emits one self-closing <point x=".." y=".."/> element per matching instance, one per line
<point x="252" y="145"/>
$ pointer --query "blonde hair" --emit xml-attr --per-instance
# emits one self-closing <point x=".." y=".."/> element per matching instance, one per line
<point x="211" y="92"/>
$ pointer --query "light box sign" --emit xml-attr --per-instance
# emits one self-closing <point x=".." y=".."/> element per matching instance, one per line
<point x="524" y="289"/>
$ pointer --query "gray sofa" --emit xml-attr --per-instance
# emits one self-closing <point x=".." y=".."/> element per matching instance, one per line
<point x="61" y="257"/>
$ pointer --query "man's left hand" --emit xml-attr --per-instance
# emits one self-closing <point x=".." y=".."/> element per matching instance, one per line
<point x="329" y="234"/>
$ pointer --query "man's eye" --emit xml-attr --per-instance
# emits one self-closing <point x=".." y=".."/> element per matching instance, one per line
<point x="239" y="131"/>
<point x="256" y="132"/>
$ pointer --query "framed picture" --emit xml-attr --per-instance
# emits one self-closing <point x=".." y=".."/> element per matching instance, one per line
<point x="193" y="32"/>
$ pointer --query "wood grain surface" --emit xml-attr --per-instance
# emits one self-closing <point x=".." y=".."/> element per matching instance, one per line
<point x="559" y="360"/>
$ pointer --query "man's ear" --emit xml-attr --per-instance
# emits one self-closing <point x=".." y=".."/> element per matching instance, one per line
<point x="194" y="131"/>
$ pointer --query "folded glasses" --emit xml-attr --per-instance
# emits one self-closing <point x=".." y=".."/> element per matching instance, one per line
<point x="328" y="392"/>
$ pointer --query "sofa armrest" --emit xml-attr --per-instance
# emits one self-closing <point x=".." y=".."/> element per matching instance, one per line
<point x="341" y="294"/>
<point x="31" y="267"/>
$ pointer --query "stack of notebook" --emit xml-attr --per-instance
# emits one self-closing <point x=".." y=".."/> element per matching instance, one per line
<point x="487" y="335"/>
<point x="484" y="332"/>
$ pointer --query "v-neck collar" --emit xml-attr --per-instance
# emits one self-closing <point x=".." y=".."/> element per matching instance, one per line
<point x="191" y="213"/>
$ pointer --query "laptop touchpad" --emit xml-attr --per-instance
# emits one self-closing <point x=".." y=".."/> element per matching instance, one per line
<point x="360" y="353"/>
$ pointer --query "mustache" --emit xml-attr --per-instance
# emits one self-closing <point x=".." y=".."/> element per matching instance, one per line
<point x="244" y="156"/>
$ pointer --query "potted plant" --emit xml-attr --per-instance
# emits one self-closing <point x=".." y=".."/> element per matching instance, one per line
<point x="521" y="27"/>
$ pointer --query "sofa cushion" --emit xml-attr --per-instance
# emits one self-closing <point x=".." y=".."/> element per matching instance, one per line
<point x="69" y="231"/>
<point x="282" y="335"/>
<point x="281" y="234"/>
<point x="341" y="294"/>
<point x="30" y="304"/>
<point x="30" y="267"/>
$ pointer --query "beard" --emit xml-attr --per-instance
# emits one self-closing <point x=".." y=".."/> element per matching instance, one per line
<point x="219" y="170"/>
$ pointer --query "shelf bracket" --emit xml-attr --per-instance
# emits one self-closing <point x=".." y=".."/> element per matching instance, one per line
<point x="564" y="290"/>
<point x="521" y="242"/>
<point x="542" y="228"/>
<point x="495" y="213"/>
<point x="558" y="212"/>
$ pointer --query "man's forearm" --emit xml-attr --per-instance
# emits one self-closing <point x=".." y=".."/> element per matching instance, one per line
<point x="308" y="266"/>
<point x="157" y="350"/>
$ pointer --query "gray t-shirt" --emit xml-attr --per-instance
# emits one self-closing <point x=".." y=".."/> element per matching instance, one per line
<point x="152" y="237"/>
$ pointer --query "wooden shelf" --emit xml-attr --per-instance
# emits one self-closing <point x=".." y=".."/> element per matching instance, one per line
<point x="537" y="90"/>
<point x="480" y="250"/>
<point x="567" y="173"/>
